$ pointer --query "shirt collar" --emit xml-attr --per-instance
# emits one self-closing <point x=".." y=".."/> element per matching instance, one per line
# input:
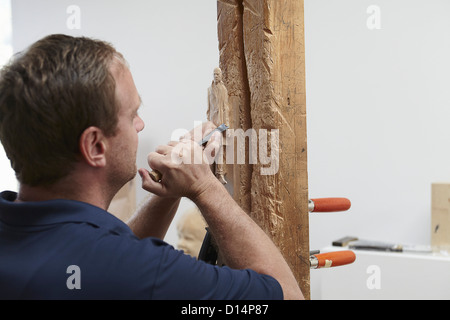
<point x="55" y="212"/>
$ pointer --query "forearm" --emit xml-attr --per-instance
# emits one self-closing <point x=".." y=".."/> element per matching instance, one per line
<point x="242" y="244"/>
<point x="154" y="217"/>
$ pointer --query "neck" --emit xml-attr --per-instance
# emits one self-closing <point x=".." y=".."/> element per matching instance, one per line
<point x="69" y="189"/>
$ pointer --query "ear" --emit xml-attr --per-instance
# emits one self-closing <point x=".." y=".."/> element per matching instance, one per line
<point x="93" y="147"/>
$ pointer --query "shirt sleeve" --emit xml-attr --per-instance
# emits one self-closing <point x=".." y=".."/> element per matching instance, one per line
<point x="181" y="277"/>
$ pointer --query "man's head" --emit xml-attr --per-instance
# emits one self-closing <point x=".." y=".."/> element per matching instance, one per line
<point x="217" y="75"/>
<point x="58" y="92"/>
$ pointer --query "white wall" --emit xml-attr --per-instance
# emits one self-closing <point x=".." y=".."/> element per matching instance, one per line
<point x="378" y="108"/>
<point x="378" y="101"/>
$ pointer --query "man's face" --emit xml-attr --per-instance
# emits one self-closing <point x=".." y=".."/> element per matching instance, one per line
<point x="122" y="156"/>
<point x="217" y="76"/>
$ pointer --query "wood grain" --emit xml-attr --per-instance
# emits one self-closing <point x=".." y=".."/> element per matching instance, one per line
<point x="262" y="57"/>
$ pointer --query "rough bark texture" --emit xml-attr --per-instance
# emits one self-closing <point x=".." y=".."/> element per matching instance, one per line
<point x="262" y="57"/>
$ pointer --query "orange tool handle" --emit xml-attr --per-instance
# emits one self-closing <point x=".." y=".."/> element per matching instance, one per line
<point x="335" y="259"/>
<point x="331" y="204"/>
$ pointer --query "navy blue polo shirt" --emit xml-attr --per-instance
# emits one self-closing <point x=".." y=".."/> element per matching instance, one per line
<point x="64" y="249"/>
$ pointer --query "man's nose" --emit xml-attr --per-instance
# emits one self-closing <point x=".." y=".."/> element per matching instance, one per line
<point x="140" y="124"/>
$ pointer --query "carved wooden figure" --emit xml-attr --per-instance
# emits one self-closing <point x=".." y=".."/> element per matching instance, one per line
<point x="218" y="109"/>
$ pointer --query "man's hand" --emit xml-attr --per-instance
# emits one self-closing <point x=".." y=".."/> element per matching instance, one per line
<point x="184" y="165"/>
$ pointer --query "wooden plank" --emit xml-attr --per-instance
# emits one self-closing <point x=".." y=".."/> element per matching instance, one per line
<point x="262" y="57"/>
<point x="440" y="216"/>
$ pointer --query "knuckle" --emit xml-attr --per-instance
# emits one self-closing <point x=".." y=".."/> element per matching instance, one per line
<point x="151" y="159"/>
<point x="159" y="148"/>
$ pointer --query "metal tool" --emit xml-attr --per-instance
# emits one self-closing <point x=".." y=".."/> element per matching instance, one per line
<point x="220" y="129"/>
<point x="157" y="176"/>
<point x="343" y="242"/>
<point x="386" y="246"/>
<point x="360" y="244"/>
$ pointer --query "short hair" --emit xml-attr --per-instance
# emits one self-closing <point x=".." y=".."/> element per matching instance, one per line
<point x="49" y="94"/>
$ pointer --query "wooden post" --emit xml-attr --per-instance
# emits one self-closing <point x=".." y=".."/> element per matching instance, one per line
<point x="262" y="57"/>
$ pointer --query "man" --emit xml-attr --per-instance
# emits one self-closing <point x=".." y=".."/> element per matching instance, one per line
<point x="69" y="124"/>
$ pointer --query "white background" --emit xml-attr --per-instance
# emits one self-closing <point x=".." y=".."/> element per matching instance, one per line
<point x="378" y="101"/>
<point x="378" y="110"/>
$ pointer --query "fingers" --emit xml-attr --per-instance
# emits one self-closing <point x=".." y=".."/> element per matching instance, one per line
<point x="216" y="138"/>
<point x="184" y="152"/>
<point x="211" y="151"/>
<point x="169" y="155"/>
<point x="166" y="149"/>
<point x="149" y="185"/>
<point x="183" y="164"/>
<point x="155" y="160"/>
<point x="161" y="163"/>
<point x="212" y="148"/>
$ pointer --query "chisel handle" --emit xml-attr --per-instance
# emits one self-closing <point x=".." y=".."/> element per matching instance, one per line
<point x="329" y="205"/>
<point x="332" y="259"/>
